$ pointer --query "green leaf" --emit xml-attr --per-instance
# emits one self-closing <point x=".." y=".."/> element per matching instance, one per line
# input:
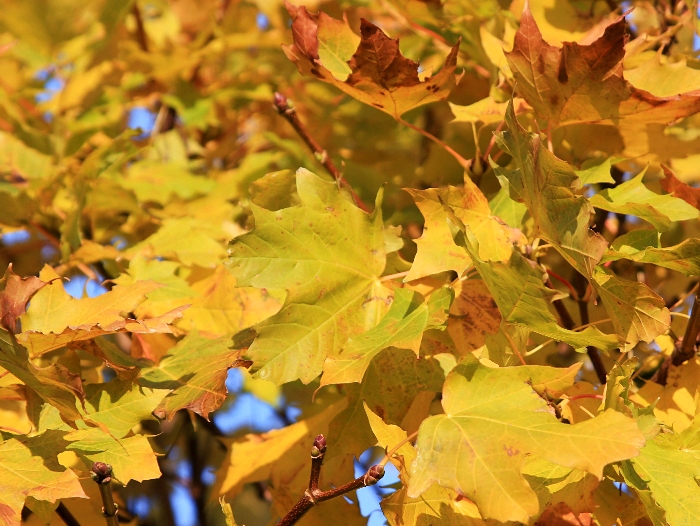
<point x="328" y="255"/>
<point x="131" y="458"/>
<point x="596" y="171"/>
<point x="403" y="326"/>
<point x="637" y="313"/>
<point x="493" y="419"/>
<point x="195" y="370"/>
<point x="546" y="185"/>
<point x="121" y="405"/>
<point x="669" y="467"/>
<point x="683" y="258"/>
<point x="522" y="298"/>
<point x="29" y="468"/>
<point x="633" y="198"/>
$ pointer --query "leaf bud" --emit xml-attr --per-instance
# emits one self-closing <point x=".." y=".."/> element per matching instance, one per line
<point x="319" y="447"/>
<point x="281" y="102"/>
<point x="374" y="475"/>
<point x="101" y="473"/>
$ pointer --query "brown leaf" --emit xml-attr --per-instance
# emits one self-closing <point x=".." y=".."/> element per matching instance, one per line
<point x="15" y="294"/>
<point x="304" y="30"/>
<point x="585" y="83"/>
<point x="376" y="73"/>
<point x="379" y="59"/>
<point x="679" y="189"/>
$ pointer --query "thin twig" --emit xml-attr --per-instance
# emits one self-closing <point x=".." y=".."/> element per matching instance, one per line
<point x="592" y="351"/>
<point x="313" y="495"/>
<point x="101" y="473"/>
<point x="684" y="348"/>
<point x="464" y="163"/>
<point x="393" y="450"/>
<point x="66" y="515"/>
<point x="389" y="277"/>
<point x="587" y="395"/>
<point x="140" y="29"/>
<point x="289" y="113"/>
<point x="568" y="285"/>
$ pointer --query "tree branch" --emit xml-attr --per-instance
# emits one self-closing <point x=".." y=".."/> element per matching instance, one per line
<point x="684" y="348"/>
<point x="289" y="113"/>
<point x="101" y="473"/>
<point x="66" y="515"/>
<point x="313" y="495"/>
<point x="593" y="352"/>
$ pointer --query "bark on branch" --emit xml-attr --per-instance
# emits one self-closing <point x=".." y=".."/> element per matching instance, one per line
<point x="314" y="496"/>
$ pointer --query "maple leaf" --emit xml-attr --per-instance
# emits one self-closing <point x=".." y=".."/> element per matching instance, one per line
<point x="633" y="198"/>
<point x="675" y="403"/>
<point x="15" y="294"/>
<point x="473" y="315"/>
<point x="195" y="370"/>
<point x="668" y="467"/>
<point x="131" y="458"/>
<point x="673" y="185"/>
<point x="29" y="468"/>
<point x="638" y="246"/>
<point x="55" y="318"/>
<point x="403" y="326"/>
<point x="436" y="248"/>
<point x="328" y="255"/>
<point x="437" y="503"/>
<point x="493" y="419"/>
<point x="376" y="73"/>
<point x="518" y="290"/>
<point x="121" y="405"/>
<point x="54" y="384"/>
<point x="546" y="185"/>
<point x="585" y="83"/>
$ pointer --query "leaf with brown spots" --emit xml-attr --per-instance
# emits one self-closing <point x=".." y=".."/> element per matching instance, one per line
<point x="585" y="83"/>
<point x="473" y="315"/>
<point x="375" y="72"/>
<point x="494" y="419"/>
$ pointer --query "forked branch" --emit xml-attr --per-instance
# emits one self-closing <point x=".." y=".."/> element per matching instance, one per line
<point x="313" y="495"/>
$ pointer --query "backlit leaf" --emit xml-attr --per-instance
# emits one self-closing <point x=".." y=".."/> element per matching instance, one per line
<point x="195" y="371"/>
<point x="403" y="326"/>
<point x="328" y="255"/>
<point x="563" y="84"/>
<point x="493" y="419"/>
<point x="29" y="468"/>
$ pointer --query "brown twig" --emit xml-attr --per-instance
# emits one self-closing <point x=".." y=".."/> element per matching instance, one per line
<point x="66" y="515"/>
<point x="684" y="348"/>
<point x="593" y="352"/>
<point x="101" y="473"/>
<point x="464" y="163"/>
<point x="289" y="113"/>
<point x="140" y="29"/>
<point x="313" y="495"/>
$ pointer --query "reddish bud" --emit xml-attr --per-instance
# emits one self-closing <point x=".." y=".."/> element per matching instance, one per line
<point x="320" y="443"/>
<point x="281" y="102"/>
<point x="374" y="475"/>
<point x="101" y="472"/>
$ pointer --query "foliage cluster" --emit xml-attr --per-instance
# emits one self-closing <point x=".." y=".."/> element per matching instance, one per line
<point x="475" y="250"/>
